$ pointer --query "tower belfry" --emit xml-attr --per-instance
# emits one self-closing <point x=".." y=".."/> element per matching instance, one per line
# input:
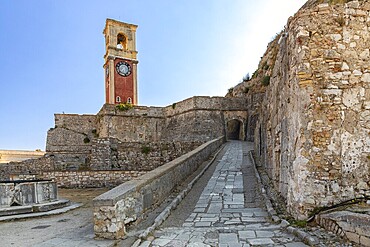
<point x="120" y="62"/>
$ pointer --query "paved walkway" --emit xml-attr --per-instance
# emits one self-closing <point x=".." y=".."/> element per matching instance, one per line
<point x="227" y="214"/>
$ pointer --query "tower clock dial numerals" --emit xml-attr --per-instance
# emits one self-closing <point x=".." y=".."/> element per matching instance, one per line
<point x="123" y="68"/>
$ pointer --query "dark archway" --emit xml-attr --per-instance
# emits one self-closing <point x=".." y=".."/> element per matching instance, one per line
<point x="234" y="128"/>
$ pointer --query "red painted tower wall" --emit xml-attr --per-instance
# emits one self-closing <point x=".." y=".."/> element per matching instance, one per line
<point x="106" y="69"/>
<point x="123" y="86"/>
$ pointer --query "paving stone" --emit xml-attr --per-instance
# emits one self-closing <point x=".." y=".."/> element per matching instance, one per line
<point x="260" y="241"/>
<point x="199" y="210"/>
<point x="219" y="217"/>
<point x="261" y="213"/>
<point x="207" y="215"/>
<point x="197" y="245"/>
<point x="214" y="219"/>
<point x="214" y="208"/>
<point x="202" y="224"/>
<point x="246" y="234"/>
<point x="249" y="214"/>
<point x="253" y="220"/>
<point x="265" y="234"/>
<point x="184" y="236"/>
<point x="188" y="224"/>
<point x="228" y="238"/>
<point x="295" y="244"/>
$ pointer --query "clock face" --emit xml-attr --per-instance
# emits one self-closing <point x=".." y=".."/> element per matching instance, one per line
<point x="123" y="68"/>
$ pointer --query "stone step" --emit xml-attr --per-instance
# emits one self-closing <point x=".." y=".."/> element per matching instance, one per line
<point x="35" y="208"/>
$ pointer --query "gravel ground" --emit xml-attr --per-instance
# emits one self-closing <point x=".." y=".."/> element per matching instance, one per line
<point x="75" y="224"/>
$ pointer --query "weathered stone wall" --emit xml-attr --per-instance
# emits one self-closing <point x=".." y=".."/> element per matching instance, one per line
<point x="313" y="125"/>
<point x="74" y="142"/>
<point x="129" y="201"/>
<point x="195" y="126"/>
<point x="91" y="179"/>
<point x="69" y="142"/>
<point x="112" y="154"/>
<point x="203" y="118"/>
<point x="70" y="132"/>
<point x="140" y="124"/>
<point x="31" y="166"/>
<point x="110" y="163"/>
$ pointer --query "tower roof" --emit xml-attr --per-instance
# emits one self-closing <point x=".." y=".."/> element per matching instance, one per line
<point x="118" y="23"/>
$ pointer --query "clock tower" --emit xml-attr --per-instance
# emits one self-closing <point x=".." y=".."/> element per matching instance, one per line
<point x="120" y="63"/>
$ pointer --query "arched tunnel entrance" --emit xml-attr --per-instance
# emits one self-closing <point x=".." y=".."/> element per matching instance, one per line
<point x="234" y="130"/>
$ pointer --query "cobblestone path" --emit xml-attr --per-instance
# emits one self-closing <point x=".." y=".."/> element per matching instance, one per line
<point x="228" y="213"/>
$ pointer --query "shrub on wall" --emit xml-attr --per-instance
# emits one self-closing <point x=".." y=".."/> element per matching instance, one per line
<point x="266" y="80"/>
<point x="145" y="149"/>
<point x="124" y="106"/>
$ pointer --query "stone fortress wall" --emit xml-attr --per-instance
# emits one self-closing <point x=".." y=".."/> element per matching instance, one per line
<point x="313" y="125"/>
<point x="115" y="146"/>
<point x="307" y="108"/>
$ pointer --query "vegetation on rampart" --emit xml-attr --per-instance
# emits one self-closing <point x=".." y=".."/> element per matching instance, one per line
<point x="124" y="106"/>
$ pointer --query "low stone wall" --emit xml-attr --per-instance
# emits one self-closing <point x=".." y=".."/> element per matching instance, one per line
<point x="110" y="163"/>
<point x="354" y="226"/>
<point x="91" y="179"/>
<point x="129" y="201"/>
<point x="31" y="166"/>
<point x="112" y="154"/>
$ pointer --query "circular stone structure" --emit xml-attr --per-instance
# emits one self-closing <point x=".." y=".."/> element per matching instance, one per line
<point x="27" y="192"/>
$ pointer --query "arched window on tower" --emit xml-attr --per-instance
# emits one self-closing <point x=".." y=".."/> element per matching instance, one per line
<point x="121" y="41"/>
<point x="118" y="99"/>
<point x="129" y="100"/>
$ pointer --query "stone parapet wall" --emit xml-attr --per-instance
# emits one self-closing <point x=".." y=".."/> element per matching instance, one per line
<point x="195" y="126"/>
<point x="197" y="119"/>
<point x="125" y="160"/>
<point x="206" y="103"/>
<point x="133" y="127"/>
<point x="128" y="202"/>
<point x="75" y="122"/>
<point x="112" y="154"/>
<point x="91" y="179"/>
<point x="136" y="111"/>
<point x="31" y="166"/>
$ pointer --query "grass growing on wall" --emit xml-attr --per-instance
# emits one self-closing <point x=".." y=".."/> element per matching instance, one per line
<point x="145" y="149"/>
<point x="86" y="140"/>
<point x="266" y="80"/>
<point x="124" y="106"/>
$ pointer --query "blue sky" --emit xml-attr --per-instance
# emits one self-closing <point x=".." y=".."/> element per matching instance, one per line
<point x="51" y="54"/>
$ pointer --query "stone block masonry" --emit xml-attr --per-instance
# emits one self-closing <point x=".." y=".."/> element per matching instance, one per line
<point x="110" y="163"/>
<point x="313" y="125"/>
<point x="112" y="154"/>
<point x="128" y="202"/>
<point x="126" y="142"/>
<point x="91" y="179"/>
<point x="353" y="226"/>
